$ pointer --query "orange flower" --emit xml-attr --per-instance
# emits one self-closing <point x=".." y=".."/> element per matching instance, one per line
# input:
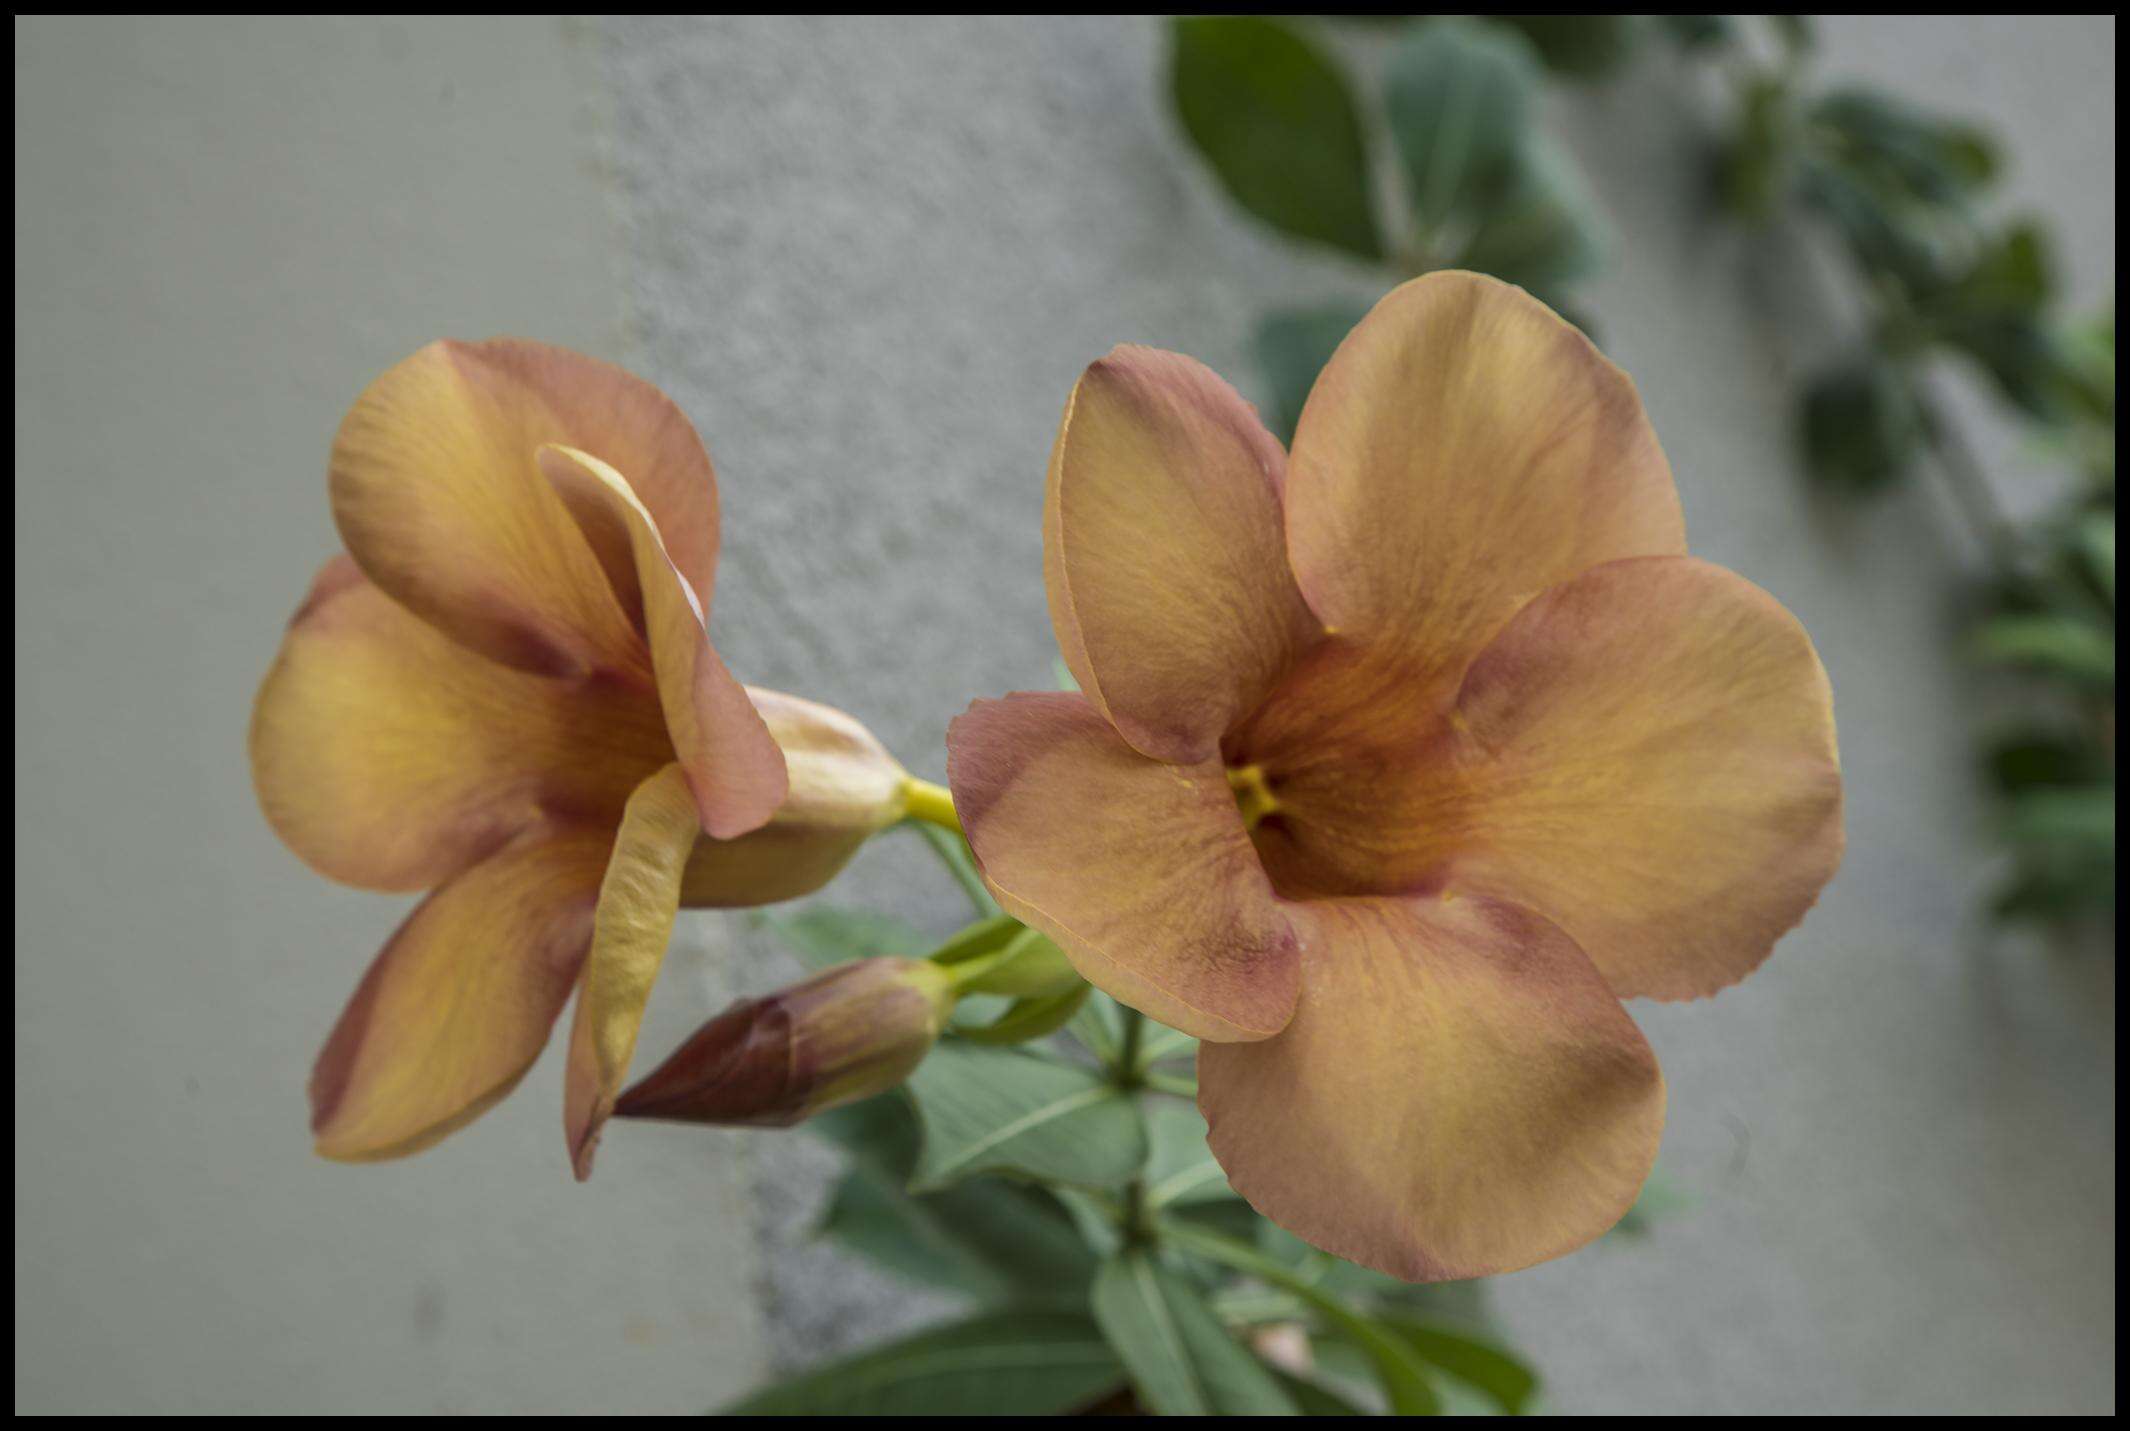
<point x="506" y="693"/>
<point x="1400" y="761"/>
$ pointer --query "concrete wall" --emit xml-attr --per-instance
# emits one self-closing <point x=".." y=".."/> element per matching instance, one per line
<point x="869" y="257"/>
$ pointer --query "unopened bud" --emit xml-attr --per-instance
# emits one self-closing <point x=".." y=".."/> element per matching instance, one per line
<point x="845" y="788"/>
<point x="857" y="1030"/>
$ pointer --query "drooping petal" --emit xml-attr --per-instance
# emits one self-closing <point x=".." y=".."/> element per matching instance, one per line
<point x="845" y="788"/>
<point x="1458" y="1095"/>
<point x="1648" y="757"/>
<point x="1464" y="449"/>
<point x="437" y="496"/>
<point x="1164" y="552"/>
<point x="460" y="1002"/>
<point x="390" y="757"/>
<point x="638" y="899"/>
<point x="733" y="764"/>
<point x="1140" y="870"/>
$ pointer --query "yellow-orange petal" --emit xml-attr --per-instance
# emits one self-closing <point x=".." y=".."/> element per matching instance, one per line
<point x="438" y="498"/>
<point x="1648" y="756"/>
<point x="388" y="756"/>
<point x="1458" y="1095"/>
<point x="732" y="762"/>
<point x="638" y="899"/>
<point x="1141" y="871"/>
<point x="1463" y="449"/>
<point x="460" y="1002"/>
<point x="1164" y="552"/>
<point x="845" y="788"/>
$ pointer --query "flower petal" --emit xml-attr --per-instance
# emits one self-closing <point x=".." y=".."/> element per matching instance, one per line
<point x="390" y="757"/>
<point x="438" y="500"/>
<point x="1164" y="552"/>
<point x="845" y="788"/>
<point x="459" y="1004"/>
<point x="1141" y="871"/>
<point x="733" y="764"/>
<point x="1650" y="759"/>
<point x="1463" y="449"/>
<point x="1458" y="1094"/>
<point x="638" y="900"/>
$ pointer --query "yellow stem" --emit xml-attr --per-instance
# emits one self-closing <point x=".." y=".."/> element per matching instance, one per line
<point x="934" y="804"/>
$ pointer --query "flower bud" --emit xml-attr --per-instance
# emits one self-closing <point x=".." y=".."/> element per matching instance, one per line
<point x="845" y="788"/>
<point x="771" y="1062"/>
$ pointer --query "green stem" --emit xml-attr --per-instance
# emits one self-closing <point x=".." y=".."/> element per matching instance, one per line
<point x="1126" y="1074"/>
<point x="953" y="852"/>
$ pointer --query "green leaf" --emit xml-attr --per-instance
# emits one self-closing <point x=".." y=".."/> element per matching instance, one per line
<point x="1458" y="96"/>
<point x="1586" y="47"/>
<point x="1698" y="32"/>
<point x="2083" y="816"/>
<point x="1004" y="1109"/>
<point x="1179" y="1356"/>
<point x="1659" y="1199"/>
<point x="823" y="935"/>
<point x="1312" y="1399"/>
<point x="1403" y="1376"/>
<point x="1033" y="1017"/>
<point x="1292" y="348"/>
<point x="1000" y="1363"/>
<point x="1860" y="426"/>
<point x="986" y="1238"/>
<point x="1180" y="1169"/>
<point x="1543" y="233"/>
<point x="1275" y="118"/>
<point x="2042" y="757"/>
<point x="1900" y="149"/>
<point x="2093" y="545"/>
<point x="1493" y="1370"/>
<point x="2062" y="645"/>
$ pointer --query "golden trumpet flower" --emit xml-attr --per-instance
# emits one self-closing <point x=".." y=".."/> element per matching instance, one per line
<point x="1399" y="761"/>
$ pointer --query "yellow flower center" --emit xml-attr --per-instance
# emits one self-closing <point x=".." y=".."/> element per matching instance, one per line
<point x="1253" y="796"/>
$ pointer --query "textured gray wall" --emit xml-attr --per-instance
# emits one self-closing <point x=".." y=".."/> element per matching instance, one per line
<point x="870" y="257"/>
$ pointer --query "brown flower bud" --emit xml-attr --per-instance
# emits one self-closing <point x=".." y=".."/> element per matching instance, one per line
<point x="771" y="1062"/>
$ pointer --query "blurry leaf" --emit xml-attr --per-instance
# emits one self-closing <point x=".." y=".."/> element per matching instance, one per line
<point x="1036" y="1016"/>
<point x="1585" y="46"/>
<point x="1179" y="1356"/>
<point x="2093" y="541"/>
<point x="2059" y="891"/>
<point x="2030" y="758"/>
<point x="986" y="1238"/>
<point x="1003" y="1109"/>
<point x="1099" y="1026"/>
<point x="1493" y="1370"/>
<point x="1753" y="165"/>
<point x="976" y="940"/>
<point x="1180" y="1168"/>
<point x="1275" y="119"/>
<point x="881" y="1130"/>
<point x="1896" y="147"/>
<point x="1795" y="32"/>
<point x="1314" y="1400"/>
<point x="1542" y="234"/>
<point x="1061" y="675"/>
<point x="2061" y="645"/>
<point x="1698" y="32"/>
<point x="1292" y="348"/>
<point x="999" y="1363"/>
<point x="2083" y="816"/>
<point x="1458" y="96"/>
<point x="823" y="935"/>
<point x="1860" y="426"/>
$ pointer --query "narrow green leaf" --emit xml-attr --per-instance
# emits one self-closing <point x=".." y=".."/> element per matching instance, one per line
<point x="1179" y="1356"/>
<point x="1033" y="1017"/>
<point x="1493" y="1370"/>
<point x="1312" y="1399"/>
<point x="1180" y="1169"/>
<point x="1860" y="427"/>
<point x="1000" y="1363"/>
<point x="2062" y="645"/>
<point x="1458" y="98"/>
<point x="1005" y="1109"/>
<point x="986" y="1238"/>
<point x="1275" y="118"/>
<point x="823" y="935"/>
